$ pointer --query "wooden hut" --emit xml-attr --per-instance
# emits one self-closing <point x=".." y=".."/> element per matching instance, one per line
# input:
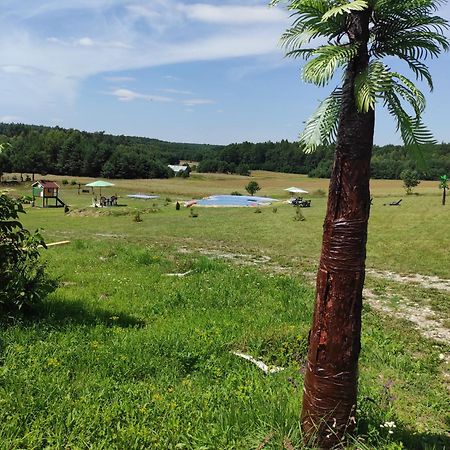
<point x="47" y="190"/>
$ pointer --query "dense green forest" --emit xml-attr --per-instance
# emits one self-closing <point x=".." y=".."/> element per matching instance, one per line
<point x="38" y="149"/>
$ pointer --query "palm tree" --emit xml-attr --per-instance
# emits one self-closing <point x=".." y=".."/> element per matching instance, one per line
<point x="443" y="184"/>
<point x="357" y="36"/>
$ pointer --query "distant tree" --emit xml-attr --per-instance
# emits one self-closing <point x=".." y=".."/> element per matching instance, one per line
<point x="252" y="187"/>
<point x="410" y="180"/>
<point x="443" y="184"/>
<point x="4" y="163"/>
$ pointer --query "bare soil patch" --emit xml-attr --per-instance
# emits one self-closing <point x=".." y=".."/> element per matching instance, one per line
<point x="426" y="281"/>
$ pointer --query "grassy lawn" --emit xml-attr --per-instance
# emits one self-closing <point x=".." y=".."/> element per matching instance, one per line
<point x="124" y="356"/>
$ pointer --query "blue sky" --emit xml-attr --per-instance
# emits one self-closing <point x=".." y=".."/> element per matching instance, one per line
<point x="204" y="71"/>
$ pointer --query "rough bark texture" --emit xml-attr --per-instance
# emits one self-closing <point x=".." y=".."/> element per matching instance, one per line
<point x="329" y="402"/>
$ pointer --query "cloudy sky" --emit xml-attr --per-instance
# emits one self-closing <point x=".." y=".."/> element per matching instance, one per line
<point x="180" y="70"/>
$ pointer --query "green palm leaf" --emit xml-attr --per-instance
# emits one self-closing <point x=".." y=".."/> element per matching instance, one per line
<point x="370" y="85"/>
<point x="345" y="8"/>
<point x="322" y="125"/>
<point x="321" y="69"/>
<point x="412" y="130"/>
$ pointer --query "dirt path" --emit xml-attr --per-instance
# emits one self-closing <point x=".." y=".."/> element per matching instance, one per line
<point x="424" y="318"/>
<point x="426" y="281"/>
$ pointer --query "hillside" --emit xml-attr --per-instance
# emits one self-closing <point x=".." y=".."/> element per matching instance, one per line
<point x="39" y="149"/>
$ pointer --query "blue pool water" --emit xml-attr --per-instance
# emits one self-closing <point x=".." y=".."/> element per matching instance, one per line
<point x="235" y="200"/>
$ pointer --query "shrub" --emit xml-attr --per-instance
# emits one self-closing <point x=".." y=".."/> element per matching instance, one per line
<point x="274" y="209"/>
<point x="74" y="182"/>
<point x="23" y="280"/>
<point x="193" y="213"/>
<point x="64" y="182"/>
<point x="235" y="193"/>
<point x="137" y="217"/>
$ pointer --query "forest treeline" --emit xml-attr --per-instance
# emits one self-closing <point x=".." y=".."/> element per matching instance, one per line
<point x="39" y="149"/>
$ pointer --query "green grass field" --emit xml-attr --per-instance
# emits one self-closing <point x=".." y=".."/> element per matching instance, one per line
<point x="124" y="356"/>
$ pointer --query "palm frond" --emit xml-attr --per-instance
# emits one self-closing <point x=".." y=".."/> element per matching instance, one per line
<point x="308" y="23"/>
<point x="409" y="92"/>
<point x="321" y="127"/>
<point x="414" y="133"/>
<point x="370" y="85"/>
<point x="345" y="8"/>
<point x="321" y="69"/>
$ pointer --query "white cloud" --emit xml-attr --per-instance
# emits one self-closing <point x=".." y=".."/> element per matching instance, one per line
<point x="85" y="42"/>
<point x="197" y="101"/>
<point x="176" y="91"/>
<point x="117" y="79"/>
<point x="10" y="119"/>
<point x="126" y="95"/>
<point x="233" y="14"/>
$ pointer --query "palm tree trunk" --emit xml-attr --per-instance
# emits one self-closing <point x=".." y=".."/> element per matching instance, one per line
<point x="329" y="402"/>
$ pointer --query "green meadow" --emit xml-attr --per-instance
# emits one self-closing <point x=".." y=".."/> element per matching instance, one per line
<point x="127" y="354"/>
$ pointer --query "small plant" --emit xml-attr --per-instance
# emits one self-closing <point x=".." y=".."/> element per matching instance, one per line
<point x="193" y="213"/>
<point x="168" y="200"/>
<point x="64" y="182"/>
<point x="274" y="209"/>
<point x="74" y="182"/>
<point x="252" y="187"/>
<point x="137" y="217"/>
<point x="258" y="210"/>
<point x="235" y="193"/>
<point x="299" y="217"/>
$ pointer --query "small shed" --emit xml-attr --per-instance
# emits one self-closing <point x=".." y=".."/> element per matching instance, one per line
<point x="47" y="190"/>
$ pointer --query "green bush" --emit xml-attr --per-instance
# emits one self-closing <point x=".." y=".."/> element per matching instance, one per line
<point x="23" y="280"/>
<point x="64" y="182"/>
<point x="73" y="182"/>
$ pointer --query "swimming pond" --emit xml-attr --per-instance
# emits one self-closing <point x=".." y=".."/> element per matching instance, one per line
<point x="235" y="200"/>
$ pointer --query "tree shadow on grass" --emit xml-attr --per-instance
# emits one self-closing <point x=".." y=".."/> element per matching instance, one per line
<point x="424" y="441"/>
<point x="60" y="313"/>
<point x="412" y="440"/>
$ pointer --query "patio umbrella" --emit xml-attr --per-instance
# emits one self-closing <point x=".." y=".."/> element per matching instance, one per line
<point x="100" y="184"/>
<point x="296" y="190"/>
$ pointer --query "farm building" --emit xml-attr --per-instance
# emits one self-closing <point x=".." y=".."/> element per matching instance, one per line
<point x="47" y="190"/>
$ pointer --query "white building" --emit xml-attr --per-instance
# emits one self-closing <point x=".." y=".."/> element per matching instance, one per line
<point x="177" y="169"/>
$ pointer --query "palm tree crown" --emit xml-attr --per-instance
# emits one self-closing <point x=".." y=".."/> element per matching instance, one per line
<point x="406" y="29"/>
